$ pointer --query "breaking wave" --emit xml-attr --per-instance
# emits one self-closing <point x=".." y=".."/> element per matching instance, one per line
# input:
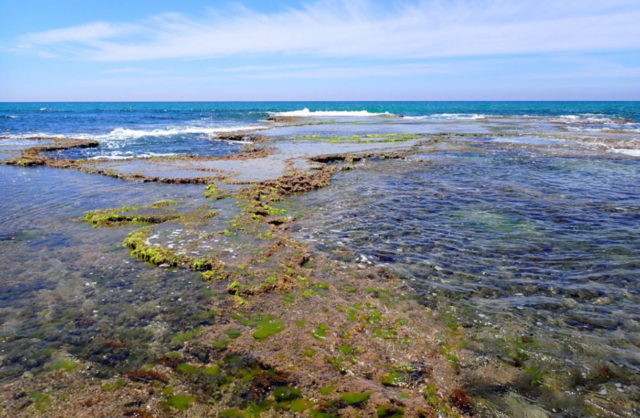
<point x="448" y="116"/>
<point x="305" y="113"/>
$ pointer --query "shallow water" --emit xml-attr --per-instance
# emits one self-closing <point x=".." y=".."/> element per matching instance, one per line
<point x="72" y="291"/>
<point x="517" y="244"/>
<point x="152" y="146"/>
<point x="527" y="235"/>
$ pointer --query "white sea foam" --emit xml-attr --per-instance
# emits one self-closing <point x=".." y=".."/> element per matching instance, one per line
<point x="125" y="155"/>
<point x="622" y="127"/>
<point x="587" y="118"/>
<point x="627" y="151"/>
<point x="448" y="116"/>
<point x="306" y="113"/>
<point x="132" y="134"/>
<point x="125" y="133"/>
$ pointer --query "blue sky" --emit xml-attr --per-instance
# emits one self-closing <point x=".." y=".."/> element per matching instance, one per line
<point x="319" y="50"/>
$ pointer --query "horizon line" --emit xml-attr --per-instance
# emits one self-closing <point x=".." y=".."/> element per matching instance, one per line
<point x="327" y="101"/>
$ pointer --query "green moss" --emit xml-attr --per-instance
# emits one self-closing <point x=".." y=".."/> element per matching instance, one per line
<point x="355" y="398"/>
<point x="180" y="401"/>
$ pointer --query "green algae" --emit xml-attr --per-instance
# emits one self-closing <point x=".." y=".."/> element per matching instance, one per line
<point x="139" y="248"/>
<point x="286" y="393"/>
<point x="164" y="203"/>
<point x="185" y="336"/>
<point x="188" y="369"/>
<point x="180" y="401"/>
<point x="355" y="398"/>
<point x="361" y="139"/>
<point x="220" y="343"/>
<point x="327" y="390"/>
<point x="62" y="364"/>
<point x="447" y="351"/>
<point x="40" y="401"/>
<point x="394" y="378"/>
<point x="308" y="351"/>
<point x="213" y="192"/>
<point x="346" y="349"/>
<point x="267" y="328"/>
<point x="212" y="370"/>
<point x="388" y="412"/>
<point x="320" y="332"/>
<point x="233" y="333"/>
<point x="233" y="413"/>
<point x="430" y="394"/>
<point x="108" y="387"/>
<point x="300" y="405"/>
<point x="101" y="218"/>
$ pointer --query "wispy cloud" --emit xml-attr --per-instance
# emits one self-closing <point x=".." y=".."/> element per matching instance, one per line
<point x="124" y="70"/>
<point x="342" y="28"/>
<point x="355" y="72"/>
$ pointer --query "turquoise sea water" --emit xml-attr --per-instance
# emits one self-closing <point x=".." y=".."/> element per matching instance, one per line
<point x="177" y="128"/>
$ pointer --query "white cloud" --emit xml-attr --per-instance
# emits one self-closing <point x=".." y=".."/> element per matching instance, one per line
<point x="359" y="29"/>
<point x="124" y="70"/>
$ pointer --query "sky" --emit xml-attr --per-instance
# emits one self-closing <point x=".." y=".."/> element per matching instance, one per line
<point x="152" y="50"/>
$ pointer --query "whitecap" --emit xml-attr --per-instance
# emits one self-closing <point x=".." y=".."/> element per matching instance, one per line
<point x="125" y="133"/>
<point x="449" y="116"/>
<point x="305" y="113"/>
<point x="124" y="156"/>
<point x="627" y="151"/>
